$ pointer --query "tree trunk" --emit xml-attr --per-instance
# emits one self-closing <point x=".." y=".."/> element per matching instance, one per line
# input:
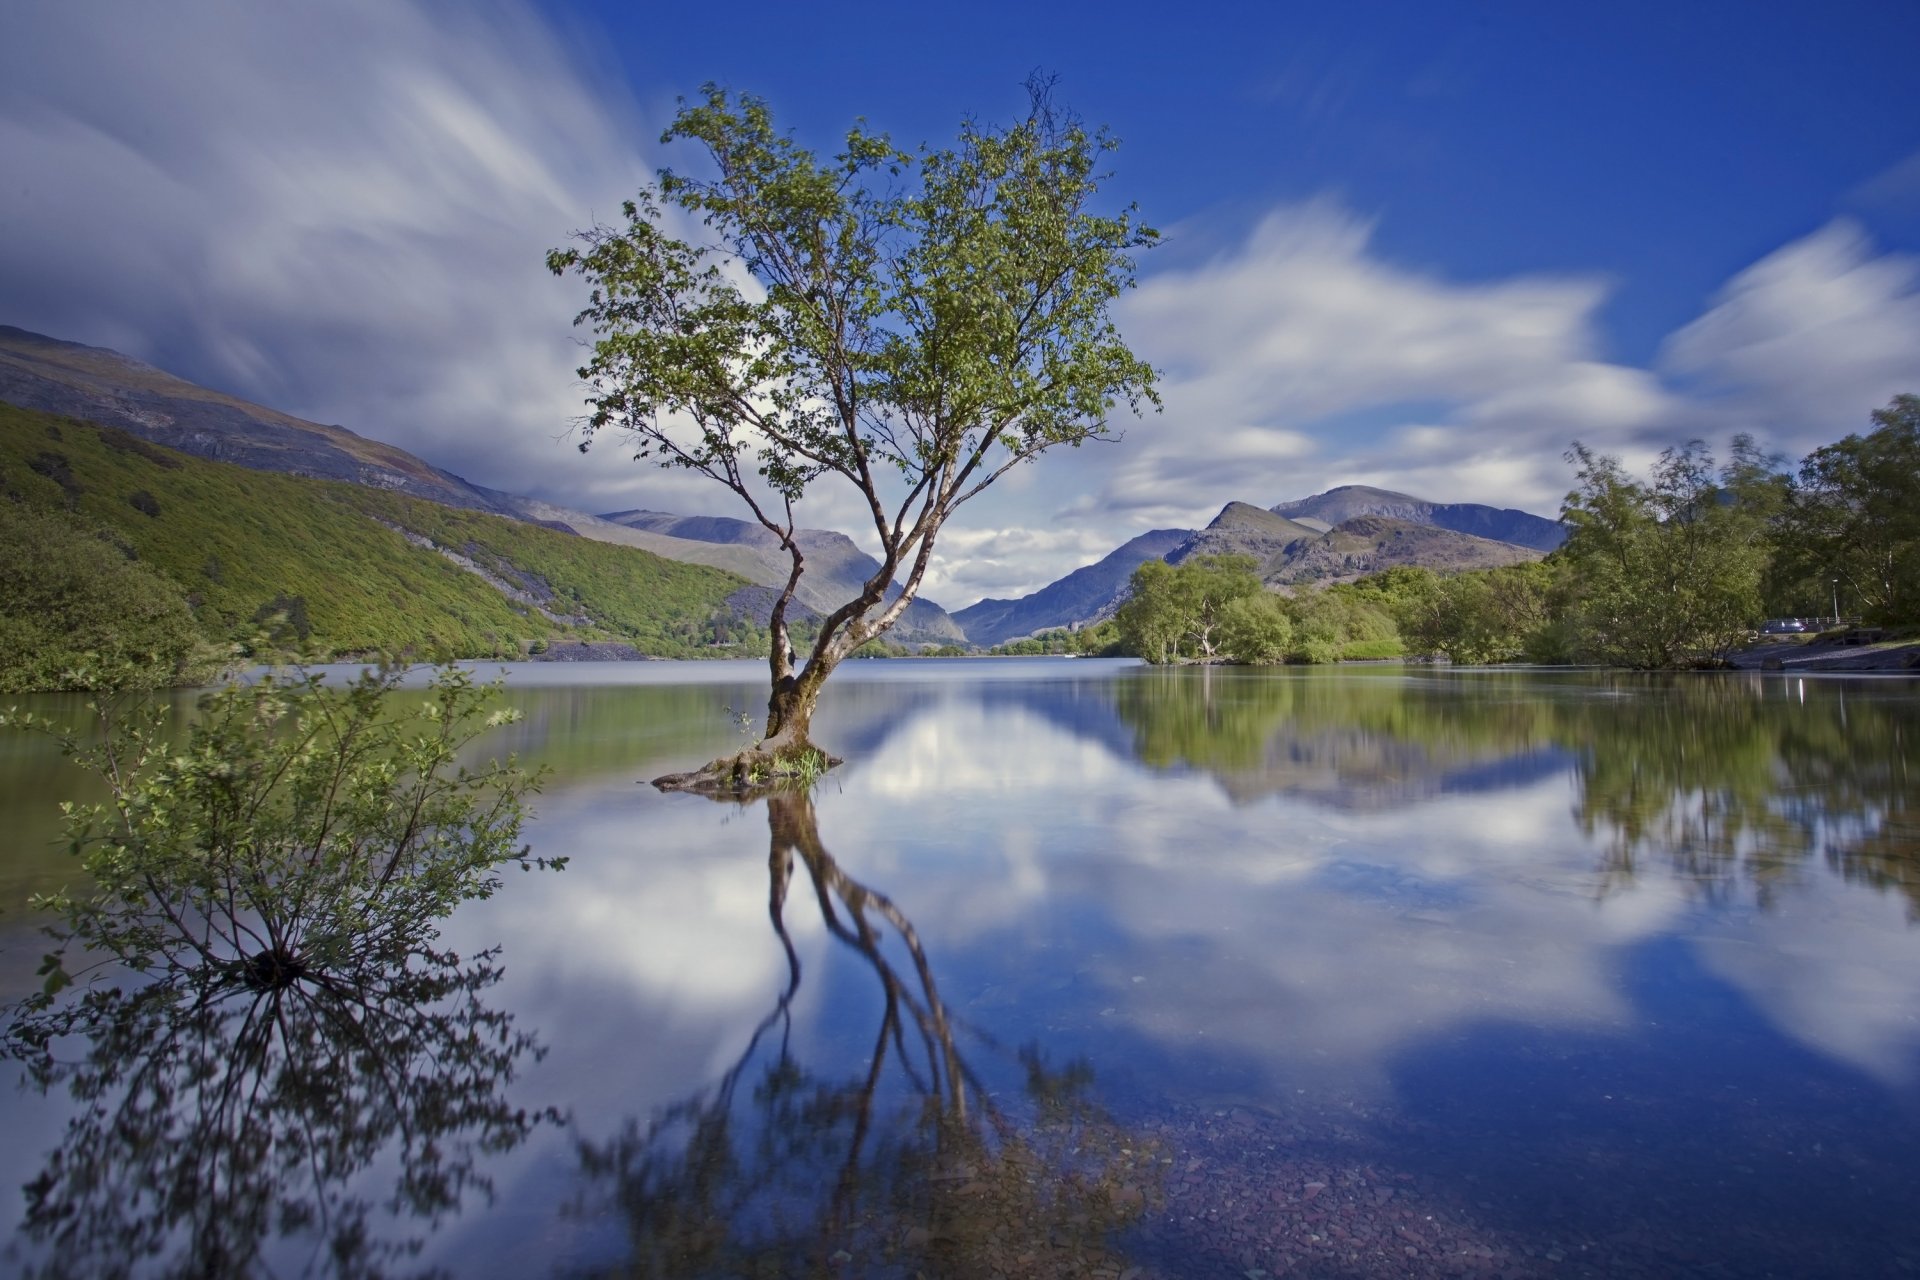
<point x="785" y="754"/>
<point x="790" y="709"/>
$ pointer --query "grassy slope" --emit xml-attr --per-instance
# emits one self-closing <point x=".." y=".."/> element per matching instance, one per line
<point x="235" y="539"/>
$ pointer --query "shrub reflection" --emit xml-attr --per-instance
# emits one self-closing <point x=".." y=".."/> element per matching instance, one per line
<point x="221" y="1127"/>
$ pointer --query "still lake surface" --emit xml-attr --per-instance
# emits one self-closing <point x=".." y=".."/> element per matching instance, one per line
<point x="1084" y="968"/>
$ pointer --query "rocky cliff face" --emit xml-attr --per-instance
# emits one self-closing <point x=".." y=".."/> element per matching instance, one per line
<point x="1373" y="544"/>
<point x="1243" y="529"/>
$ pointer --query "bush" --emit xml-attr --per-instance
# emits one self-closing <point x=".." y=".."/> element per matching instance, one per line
<point x="297" y="831"/>
<point x="275" y="883"/>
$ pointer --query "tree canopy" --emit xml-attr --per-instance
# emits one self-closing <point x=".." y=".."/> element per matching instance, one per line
<point x="908" y="325"/>
<point x="1667" y="572"/>
<point x="1852" y="521"/>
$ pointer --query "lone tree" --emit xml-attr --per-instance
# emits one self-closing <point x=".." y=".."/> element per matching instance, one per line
<point x="911" y="325"/>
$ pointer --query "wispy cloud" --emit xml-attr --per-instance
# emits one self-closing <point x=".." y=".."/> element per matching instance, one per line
<point x="1274" y="345"/>
<point x="1801" y="345"/>
<point x="339" y="210"/>
<point x="342" y="211"/>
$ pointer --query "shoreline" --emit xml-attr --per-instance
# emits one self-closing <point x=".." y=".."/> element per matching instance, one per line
<point x="1829" y="656"/>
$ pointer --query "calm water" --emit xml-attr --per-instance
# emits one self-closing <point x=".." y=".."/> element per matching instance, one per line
<point x="1079" y="967"/>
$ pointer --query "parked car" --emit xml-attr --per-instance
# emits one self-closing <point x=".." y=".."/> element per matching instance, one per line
<point x="1782" y="627"/>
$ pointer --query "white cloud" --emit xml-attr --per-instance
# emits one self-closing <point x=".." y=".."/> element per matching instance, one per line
<point x="339" y="210"/>
<point x="972" y="563"/>
<point x="1274" y="347"/>
<point x="342" y="211"/>
<point x="1268" y="345"/>
<point x="1804" y="343"/>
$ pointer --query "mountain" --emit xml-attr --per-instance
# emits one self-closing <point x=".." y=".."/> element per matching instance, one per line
<point x="1087" y="594"/>
<point x="98" y="385"/>
<point x="1336" y="536"/>
<point x="1367" y="545"/>
<point x="1499" y="524"/>
<point x="837" y="569"/>
<point x="1245" y="530"/>
<point x="357" y="569"/>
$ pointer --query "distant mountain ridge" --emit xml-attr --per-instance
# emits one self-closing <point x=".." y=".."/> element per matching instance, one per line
<point x="355" y="569"/>
<point x="837" y="568"/>
<point x="1368" y="545"/>
<point x="1089" y="592"/>
<point x="99" y="385"/>
<point x="1498" y="524"/>
<point x="1336" y="536"/>
<point x="1242" y="529"/>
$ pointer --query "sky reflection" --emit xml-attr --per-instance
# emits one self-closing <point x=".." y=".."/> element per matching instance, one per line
<point x="1233" y="889"/>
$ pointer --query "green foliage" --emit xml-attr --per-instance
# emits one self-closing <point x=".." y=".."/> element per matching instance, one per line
<point x="1255" y="629"/>
<point x="916" y="325"/>
<point x="1667" y="573"/>
<point x="1330" y="622"/>
<point x="1213" y="607"/>
<point x="298" y="830"/>
<point x="264" y="1014"/>
<point x="1376" y="650"/>
<point x="1176" y="611"/>
<point x="1851" y="524"/>
<point x="1101" y="640"/>
<point x="1087" y="641"/>
<point x="1489" y="615"/>
<point x="76" y="613"/>
<point x="233" y="541"/>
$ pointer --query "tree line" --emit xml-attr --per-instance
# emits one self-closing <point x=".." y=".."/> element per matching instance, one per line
<point x="1672" y="569"/>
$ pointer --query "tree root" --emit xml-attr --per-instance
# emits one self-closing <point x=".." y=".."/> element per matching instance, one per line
<point x="754" y="772"/>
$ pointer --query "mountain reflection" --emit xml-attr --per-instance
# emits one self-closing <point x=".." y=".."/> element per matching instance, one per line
<point x="1734" y="784"/>
<point x="907" y="1166"/>
<point x="222" y="1129"/>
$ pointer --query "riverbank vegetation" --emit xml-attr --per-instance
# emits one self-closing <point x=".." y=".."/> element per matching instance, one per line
<point x="1674" y="569"/>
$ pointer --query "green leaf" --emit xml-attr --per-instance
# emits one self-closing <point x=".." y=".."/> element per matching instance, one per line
<point x="55" y="972"/>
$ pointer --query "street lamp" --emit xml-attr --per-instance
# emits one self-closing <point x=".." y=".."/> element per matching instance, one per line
<point x="1836" y="602"/>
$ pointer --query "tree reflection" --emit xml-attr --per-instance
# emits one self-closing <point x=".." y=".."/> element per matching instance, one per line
<point x="1740" y="784"/>
<point x="1354" y="743"/>
<point x="908" y="1166"/>
<point x="1735" y="784"/>
<point x="222" y="1125"/>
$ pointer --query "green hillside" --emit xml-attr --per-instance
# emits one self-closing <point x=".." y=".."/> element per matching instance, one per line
<point x="338" y="561"/>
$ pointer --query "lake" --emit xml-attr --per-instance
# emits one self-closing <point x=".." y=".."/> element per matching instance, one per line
<point x="1083" y="968"/>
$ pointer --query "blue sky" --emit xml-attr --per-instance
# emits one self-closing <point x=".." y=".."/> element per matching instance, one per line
<point x="1409" y="244"/>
